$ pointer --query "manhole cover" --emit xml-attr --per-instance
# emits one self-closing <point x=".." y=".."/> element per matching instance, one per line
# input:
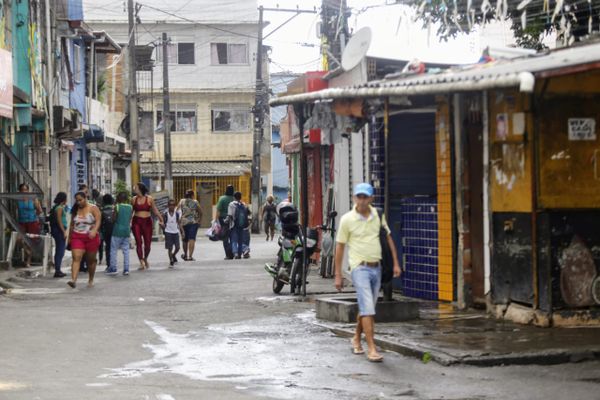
<point x="38" y="291"/>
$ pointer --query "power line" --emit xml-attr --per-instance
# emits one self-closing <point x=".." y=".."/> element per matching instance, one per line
<point x="196" y="22"/>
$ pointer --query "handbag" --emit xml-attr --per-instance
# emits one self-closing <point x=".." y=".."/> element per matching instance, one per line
<point x="387" y="260"/>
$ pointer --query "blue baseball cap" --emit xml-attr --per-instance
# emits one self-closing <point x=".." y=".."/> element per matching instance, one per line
<point x="363" y="188"/>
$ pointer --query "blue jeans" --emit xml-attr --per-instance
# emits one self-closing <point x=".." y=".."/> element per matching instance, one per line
<point x="59" y="252"/>
<point x="367" y="281"/>
<point x="247" y="240"/>
<point x="116" y="244"/>
<point x="238" y="244"/>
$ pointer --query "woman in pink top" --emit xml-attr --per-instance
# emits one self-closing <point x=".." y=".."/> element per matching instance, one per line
<point x="83" y="237"/>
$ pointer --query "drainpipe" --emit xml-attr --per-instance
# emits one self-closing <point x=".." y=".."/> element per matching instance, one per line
<point x="91" y="80"/>
<point x="458" y="184"/>
<point x="486" y="196"/>
<point x="49" y="89"/>
<point x="386" y="131"/>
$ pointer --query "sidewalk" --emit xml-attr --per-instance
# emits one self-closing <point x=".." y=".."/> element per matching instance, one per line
<point x="449" y="336"/>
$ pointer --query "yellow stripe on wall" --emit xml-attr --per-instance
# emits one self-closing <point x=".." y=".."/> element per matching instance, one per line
<point x="444" y="199"/>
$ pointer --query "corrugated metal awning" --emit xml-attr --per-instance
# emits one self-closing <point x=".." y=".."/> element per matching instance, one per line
<point x="520" y="72"/>
<point x="199" y="168"/>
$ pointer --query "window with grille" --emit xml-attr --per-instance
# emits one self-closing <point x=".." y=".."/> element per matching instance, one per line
<point x="228" y="53"/>
<point x="182" y="118"/>
<point x="230" y="118"/>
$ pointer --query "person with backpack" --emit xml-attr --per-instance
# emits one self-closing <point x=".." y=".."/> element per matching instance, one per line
<point x="106" y="227"/>
<point x="59" y="231"/>
<point x="222" y="217"/>
<point x="360" y="230"/>
<point x="172" y="217"/>
<point x="191" y="216"/>
<point x="123" y="214"/>
<point x="238" y="215"/>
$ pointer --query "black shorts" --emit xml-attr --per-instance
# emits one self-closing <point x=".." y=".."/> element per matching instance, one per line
<point x="189" y="232"/>
<point x="171" y="240"/>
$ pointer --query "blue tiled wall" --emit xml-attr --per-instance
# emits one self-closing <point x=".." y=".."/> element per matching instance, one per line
<point x="419" y="249"/>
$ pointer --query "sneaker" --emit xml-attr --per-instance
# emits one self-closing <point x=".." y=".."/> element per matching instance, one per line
<point x="59" y="274"/>
<point x="171" y="266"/>
<point x="246" y="255"/>
<point x="111" y="272"/>
<point x="126" y="273"/>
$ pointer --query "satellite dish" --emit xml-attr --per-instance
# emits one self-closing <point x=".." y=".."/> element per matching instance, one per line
<point x="356" y="48"/>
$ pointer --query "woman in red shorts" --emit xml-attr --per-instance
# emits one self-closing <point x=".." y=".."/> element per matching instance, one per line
<point x="83" y="237"/>
<point x="141" y="224"/>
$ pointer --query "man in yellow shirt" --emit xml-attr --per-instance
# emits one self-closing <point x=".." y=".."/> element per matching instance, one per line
<point x="359" y="229"/>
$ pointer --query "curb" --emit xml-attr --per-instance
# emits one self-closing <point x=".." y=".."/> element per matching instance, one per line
<point x="549" y="357"/>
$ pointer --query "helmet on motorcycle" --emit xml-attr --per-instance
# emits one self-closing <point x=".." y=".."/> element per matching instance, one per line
<point x="288" y="213"/>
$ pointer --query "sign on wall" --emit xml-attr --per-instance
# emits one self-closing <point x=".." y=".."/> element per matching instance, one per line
<point x="582" y="129"/>
<point x="6" y="84"/>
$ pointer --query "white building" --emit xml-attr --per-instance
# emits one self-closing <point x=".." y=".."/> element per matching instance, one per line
<point x="212" y="68"/>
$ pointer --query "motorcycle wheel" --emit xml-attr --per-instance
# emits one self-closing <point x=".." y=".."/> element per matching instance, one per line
<point x="277" y="286"/>
<point x="296" y="276"/>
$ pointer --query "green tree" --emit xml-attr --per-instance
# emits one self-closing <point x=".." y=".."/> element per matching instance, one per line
<point x="531" y="19"/>
<point x="121" y="186"/>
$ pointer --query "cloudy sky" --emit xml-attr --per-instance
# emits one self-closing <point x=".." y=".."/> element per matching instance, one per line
<point x="295" y="46"/>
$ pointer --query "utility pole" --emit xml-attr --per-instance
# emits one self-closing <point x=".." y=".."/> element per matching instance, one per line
<point x="260" y="104"/>
<point x="259" y="119"/>
<point x="167" y="117"/>
<point x="134" y="133"/>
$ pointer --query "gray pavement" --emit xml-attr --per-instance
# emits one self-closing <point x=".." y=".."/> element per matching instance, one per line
<point x="213" y="329"/>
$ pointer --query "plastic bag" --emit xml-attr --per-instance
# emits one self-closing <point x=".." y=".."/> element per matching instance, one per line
<point x="214" y="233"/>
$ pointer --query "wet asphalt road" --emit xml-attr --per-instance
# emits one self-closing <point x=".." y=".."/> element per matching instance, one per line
<point x="212" y="329"/>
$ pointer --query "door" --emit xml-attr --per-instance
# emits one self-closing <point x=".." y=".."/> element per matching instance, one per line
<point x="474" y="134"/>
<point x="205" y="196"/>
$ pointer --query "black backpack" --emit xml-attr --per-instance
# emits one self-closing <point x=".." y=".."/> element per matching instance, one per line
<point x="387" y="260"/>
<point x="108" y="219"/>
<point x="240" y="218"/>
<point x="53" y="219"/>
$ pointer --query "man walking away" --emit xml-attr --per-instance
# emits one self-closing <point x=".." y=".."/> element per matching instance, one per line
<point x="121" y="232"/>
<point x="171" y="218"/>
<point x="238" y="214"/>
<point x="222" y="211"/>
<point x="359" y="230"/>
<point x="106" y="228"/>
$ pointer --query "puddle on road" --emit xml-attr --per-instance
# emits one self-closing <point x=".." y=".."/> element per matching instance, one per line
<point x="234" y="352"/>
<point x="6" y="386"/>
<point x="38" y="291"/>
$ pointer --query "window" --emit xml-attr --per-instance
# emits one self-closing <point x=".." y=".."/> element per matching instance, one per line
<point x="230" y="118"/>
<point x="228" y="53"/>
<point x="182" y="118"/>
<point x="178" y="53"/>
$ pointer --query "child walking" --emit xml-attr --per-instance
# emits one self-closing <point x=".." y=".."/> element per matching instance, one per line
<point x="172" y="227"/>
<point x="121" y="232"/>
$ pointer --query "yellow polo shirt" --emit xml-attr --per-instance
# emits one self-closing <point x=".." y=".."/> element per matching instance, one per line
<point x="361" y="235"/>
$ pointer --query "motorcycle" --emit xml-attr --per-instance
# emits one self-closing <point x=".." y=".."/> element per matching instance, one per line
<point x="328" y="246"/>
<point x="289" y="267"/>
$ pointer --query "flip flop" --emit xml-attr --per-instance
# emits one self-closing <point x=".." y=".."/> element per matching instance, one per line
<point x="377" y="358"/>
<point x="356" y="348"/>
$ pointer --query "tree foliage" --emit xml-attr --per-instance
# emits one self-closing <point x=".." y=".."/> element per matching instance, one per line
<point x="531" y="19"/>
